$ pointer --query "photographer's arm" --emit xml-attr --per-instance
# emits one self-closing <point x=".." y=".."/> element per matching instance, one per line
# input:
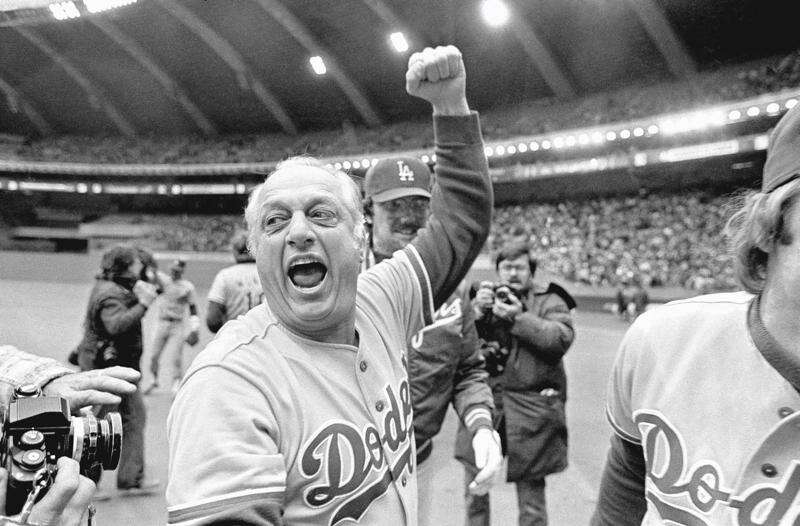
<point x="118" y="318"/>
<point x="18" y="368"/>
<point x="548" y="335"/>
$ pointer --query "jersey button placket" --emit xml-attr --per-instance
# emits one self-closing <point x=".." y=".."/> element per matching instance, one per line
<point x="783" y="412"/>
<point x="404" y="481"/>
<point x="769" y="470"/>
<point x="379" y="405"/>
<point x="363" y="366"/>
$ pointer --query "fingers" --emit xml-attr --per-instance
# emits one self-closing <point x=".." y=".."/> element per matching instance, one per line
<point x="3" y="485"/>
<point x="113" y="380"/>
<point x="123" y="373"/>
<point x="92" y="397"/>
<point x="67" y="498"/>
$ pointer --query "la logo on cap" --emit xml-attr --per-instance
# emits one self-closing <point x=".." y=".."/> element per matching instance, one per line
<point x="404" y="172"/>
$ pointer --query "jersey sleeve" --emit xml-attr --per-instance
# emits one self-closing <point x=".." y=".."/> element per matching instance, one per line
<point x="461" y="205"/>
<point x="217" y="291"/>
<point x="627" y="368"/>
<point x="240" y="476"/>
<point x="399" y="287"/>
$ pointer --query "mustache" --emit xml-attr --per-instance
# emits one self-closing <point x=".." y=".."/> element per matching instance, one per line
<point x="398" y="226"/>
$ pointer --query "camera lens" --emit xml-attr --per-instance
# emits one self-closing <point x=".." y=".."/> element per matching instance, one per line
<point x="97" y="441"/>
<point x="110" y="442"/>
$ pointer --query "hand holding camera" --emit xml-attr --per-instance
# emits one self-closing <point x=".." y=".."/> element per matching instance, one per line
<point x="506" y="305"/>
<point x="145" y="292"/>
<point x="40" y="480"/>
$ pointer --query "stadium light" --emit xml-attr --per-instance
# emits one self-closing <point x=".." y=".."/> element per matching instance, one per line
<point x="773" y="108"/>
<point x="98" y="6"/>
<point x="625" y="134"/>
<point x="583" y="139"/>
<point x="522" y="147"/>
<point x="346" y="165"/>
<point x="500" y="150"/>
<point x="318" y="65"/>
<point x="546" y="144"/>
<point x="495" y="12"/>
<point x="791" y="103"/>
<point x="638" y="131"/>
<point x="489" y="151"/>
<point x="399" y="42"/>
<point x="64" y="10"/>
<point x="425" y="159"/>
<point x="611" y="136"/>
<point x="753" y="111"/>
<point x="735" y="115"/>
<point x="356" y="165"/>
<point x="534" y="146"/>
<point x="653" y="129"/>
<point x="511" y="150"/>
<point x="597" y="137"/>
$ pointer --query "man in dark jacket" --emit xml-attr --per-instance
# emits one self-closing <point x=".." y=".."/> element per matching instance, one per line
<point x="528" y="329"/>
<point x="113" y="336"/>
<point x="444" y="359"/>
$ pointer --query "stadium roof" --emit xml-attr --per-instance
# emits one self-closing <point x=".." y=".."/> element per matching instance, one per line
<point x="175" y="67"/>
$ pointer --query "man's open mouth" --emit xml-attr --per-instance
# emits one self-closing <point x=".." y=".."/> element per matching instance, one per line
<point x="306" y="273"/>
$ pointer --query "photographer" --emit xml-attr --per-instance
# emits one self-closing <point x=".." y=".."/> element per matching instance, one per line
<point x="113" y="336"/>
<point x="527" y="329"/>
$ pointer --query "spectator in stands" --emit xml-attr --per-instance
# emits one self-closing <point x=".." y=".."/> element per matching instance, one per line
<point x="236" y="289"/>
<point x="172" y="331"/>
<point x="113" y="336"/>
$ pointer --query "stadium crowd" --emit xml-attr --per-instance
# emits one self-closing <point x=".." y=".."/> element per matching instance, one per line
<point x="667" y="240"/>
<point x="541" y="116"/>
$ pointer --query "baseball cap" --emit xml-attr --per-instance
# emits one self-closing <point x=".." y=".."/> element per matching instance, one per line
<point x="397" y="177"/>
<point x="178" y="264"/>
<point x="783" y="154"/>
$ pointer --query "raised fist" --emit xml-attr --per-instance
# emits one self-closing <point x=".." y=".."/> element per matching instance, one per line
<point x="438" y="76"/>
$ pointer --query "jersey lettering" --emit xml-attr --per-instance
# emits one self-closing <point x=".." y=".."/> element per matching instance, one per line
<point x="348" y="455"/>
<point x="703" y="487"/>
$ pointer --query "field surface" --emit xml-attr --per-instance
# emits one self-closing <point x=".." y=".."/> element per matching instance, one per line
<point x="42" y="303"/>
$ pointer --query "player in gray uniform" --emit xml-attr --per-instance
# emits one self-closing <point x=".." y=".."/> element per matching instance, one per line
<point x="173" y="330"/>
<point x="236" y="289"/>
<point x="303" y="404"/>
<point x="704" y="394"/>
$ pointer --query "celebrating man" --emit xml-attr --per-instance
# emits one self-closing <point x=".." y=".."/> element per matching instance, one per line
<point x="299" y="412"/>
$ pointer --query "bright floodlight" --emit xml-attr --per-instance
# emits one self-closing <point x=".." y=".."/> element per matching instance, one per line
<point x="399" y="42"/>
<point x="98" y="6"/>
<point x="64" y="10"/>
<point x="495" y="12"/>
<point x="318" y="65"/>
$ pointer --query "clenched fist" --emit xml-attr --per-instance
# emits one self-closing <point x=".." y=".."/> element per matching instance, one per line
<point x="438" y="76"/>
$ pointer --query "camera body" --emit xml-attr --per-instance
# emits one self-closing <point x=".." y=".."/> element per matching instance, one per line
<point x="502" y="290"/>
<point x="495" y="331"/>
<point x="38" y="429"/>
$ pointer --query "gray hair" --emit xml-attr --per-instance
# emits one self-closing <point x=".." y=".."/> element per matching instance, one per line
<point x="754" y="229"/>
<point x="350" y="192"/>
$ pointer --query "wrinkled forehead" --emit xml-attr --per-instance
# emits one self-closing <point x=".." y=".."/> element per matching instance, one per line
<point x="297" y="183"/>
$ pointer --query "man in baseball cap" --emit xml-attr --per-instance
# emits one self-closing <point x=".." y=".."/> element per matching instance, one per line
<point x="397" y="203"/>
<point x="709" y="387"/>
<point x="445" y="361"/>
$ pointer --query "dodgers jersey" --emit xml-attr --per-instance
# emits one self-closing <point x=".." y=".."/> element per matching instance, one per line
<point x="322" y="430"/>
<point x="238" y="288"/>
<point x="693" y="386"/>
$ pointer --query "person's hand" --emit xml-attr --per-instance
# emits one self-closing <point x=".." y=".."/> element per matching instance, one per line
<point x="438" y="76"/>
<point x="66" y="501"/>
<point x="145" y="292"/>
<point x="482" y="302"/>
<point x="488" y="459"/>
<point x="507" y="311"/>
<point x="97" y="387"/>
<point x="193" y="336"/>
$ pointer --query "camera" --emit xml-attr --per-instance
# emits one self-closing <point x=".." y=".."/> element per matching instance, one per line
<point x="39" y="429"/>
<point x="503" y="290"/>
